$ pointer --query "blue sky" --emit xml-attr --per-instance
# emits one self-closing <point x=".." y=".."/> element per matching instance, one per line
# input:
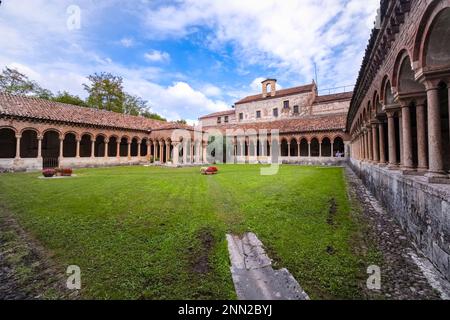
<point x="186" y="57"/>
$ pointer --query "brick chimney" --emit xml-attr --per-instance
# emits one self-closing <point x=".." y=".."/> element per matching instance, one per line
<point x="269" y="88"/>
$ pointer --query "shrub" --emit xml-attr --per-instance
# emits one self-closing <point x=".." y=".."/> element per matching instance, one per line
<point x="212" y="169"/>
<point x="48" y="173"/>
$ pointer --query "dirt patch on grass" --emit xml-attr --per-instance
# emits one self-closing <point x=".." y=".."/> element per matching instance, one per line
<point x="199" y="256"/>
<point x="27" y="271"/>
<point x="332" y="212"/>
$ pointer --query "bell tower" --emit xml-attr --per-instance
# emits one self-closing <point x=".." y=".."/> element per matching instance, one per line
<point x="269" y="88"/>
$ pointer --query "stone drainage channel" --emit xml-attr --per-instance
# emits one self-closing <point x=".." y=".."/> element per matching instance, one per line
<point x="253" y="275"/>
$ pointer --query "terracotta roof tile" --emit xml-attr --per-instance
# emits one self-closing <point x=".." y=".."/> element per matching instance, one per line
<point x="334" y="97"/>
<point x="279" y="94"/>
<point x="41" y="109"/>
<point x="299" y="125"/>
<point x="219" y="114"/>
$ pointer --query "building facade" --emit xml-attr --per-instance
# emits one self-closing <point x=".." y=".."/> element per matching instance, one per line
<point x="310" y="128"/>
<point x="37" y="134"/>
<point x="399" y="121"/>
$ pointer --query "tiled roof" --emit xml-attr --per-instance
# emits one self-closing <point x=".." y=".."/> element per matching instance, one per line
<point x="26" y="107"/>
<point x="219" y="114"/>
<point x="334" y="97"/>
<point x="279" y="94"/>
<point x="298" y="125"/>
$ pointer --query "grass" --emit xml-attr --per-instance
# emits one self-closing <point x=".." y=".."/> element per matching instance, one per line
<point x="154" y="233"/>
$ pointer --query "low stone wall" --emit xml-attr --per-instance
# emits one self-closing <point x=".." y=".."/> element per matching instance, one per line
<point x="422" y="209"/>
<point x="21" y="165"/>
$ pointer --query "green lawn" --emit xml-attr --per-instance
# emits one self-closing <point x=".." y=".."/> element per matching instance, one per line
<point x="156" y="233"/>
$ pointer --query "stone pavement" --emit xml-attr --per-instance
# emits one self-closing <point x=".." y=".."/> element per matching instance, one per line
<point x="253" y="275"/>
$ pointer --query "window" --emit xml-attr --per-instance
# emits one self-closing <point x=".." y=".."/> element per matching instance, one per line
<point x="258" y="114"/>
<point x="286" y="104"/>
<point x="241" y="116"/>
<point x="219" y="120"/>
<point x="226" y="119"/>
<point x="296" y="110"/>
<point x="275" y="112"/>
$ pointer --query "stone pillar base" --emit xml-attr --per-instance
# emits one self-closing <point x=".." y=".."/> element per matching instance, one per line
<point x="438" y="178"/>
<point x="411" y="172"/>
<point x="393" y="167"/>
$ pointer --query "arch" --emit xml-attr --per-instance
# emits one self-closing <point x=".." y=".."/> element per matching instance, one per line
<point x="134" y="147"/>
<point x="338" y="147"/>
<point x="315" y="147"/>
<point x="99" y="146"/>
<point x="388" y="94"/>
<point x="50" y="145"/>
<point x="445" y="123"/>
<point x="86" y="145"/>
<point x="304" y="148"/>
<point x="70" y="145"/>
<point x="294" y="147"/>
<point x="433" y="27"/>
<point x="112" y="146"/>
<point x="8" y="143"/>
<point x="29" y="144"/>
<point x="284" y="148"/>
<point x="326" y="147"/>
<point x="144" y="149"/>
<point x="29" y="129"/>
<point x="404" y="76"/>
<point x="123" y="150"/>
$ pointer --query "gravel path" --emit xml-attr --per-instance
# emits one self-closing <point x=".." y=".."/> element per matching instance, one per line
<point x="406" y="273"/>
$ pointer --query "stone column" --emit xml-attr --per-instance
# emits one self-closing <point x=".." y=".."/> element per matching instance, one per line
<point x="176" y="152"/>
<point x="400" y="131"/>
<point x="289" y="151"/>
<point x="161" y="152"/>
<point x="106" y="148"/>
<point x="332" y="149"/>
<point x="436" y="159"/>
<point x="320" y="149"/>
<point x="129" y="150"/>
<point x="39" y="147"/>
<point x="118" y="149"/>
<point x="139" y="149"/>
<point x="185" y="152"/>
<point x="375" y="144"/>
<point x="61" y="148"/>
<point x="205" y="152"/>
<point x="18" y="137"/>
<point x="407" y="161"/>
<point x="392" y="141"/>
<point x="78" y="148"/>
<point x="370" y="143"/>
<point x="299" y="149"/>
<point x="366" y="145"/>
<point x="421" y="137"/>
<point x="382" y="145"/>
<point x="93" y="149"/>
<point x="149" y="150"/>
<point x="309" y="149"/>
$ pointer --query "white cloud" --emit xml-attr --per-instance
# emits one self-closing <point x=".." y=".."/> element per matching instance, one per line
<point x="127" y="42"/>
<point x="211" y="90"/>
<point x="157" y="56"/>
<point x="289" y="35"/>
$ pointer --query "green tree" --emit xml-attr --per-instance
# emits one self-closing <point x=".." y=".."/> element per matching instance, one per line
<point x="66" y="97"/>
<point x="106" y="92"/>
<point x="182" y="121"/>
<point x="151" y="115"/>
<point x="14" y="82"/>
<point x="134" y="105"/>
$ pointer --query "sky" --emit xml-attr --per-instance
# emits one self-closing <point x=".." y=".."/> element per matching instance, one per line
<point x="187" y="58"/>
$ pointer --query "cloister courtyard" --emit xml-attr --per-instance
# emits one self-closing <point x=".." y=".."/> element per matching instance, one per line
<point x="159" y="233"/>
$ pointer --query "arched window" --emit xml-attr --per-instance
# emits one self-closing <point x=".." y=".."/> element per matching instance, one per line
<point x="144" y="148"/>
<point x="326" y="148"/>
<point x="8" y="143"/>
<point x="134" y="147"/>
<point x="294" y="148"/>
<point x="304" y="148"/>
<point x="29" y="144"/>
<point x="112" y="147"/>
<point x="86" y="146"/>
<point x="99" y="151"/>
<point x="124" y="147"/>
<point x="70" y="146"/>
<point x="338" y="147"/>
<point x="315" y="148"/>
<point x="284" y="148"/>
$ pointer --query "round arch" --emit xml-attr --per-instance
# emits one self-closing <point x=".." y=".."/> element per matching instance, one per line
<point x="8" y="143"/>
<point x="29" y="144"/>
